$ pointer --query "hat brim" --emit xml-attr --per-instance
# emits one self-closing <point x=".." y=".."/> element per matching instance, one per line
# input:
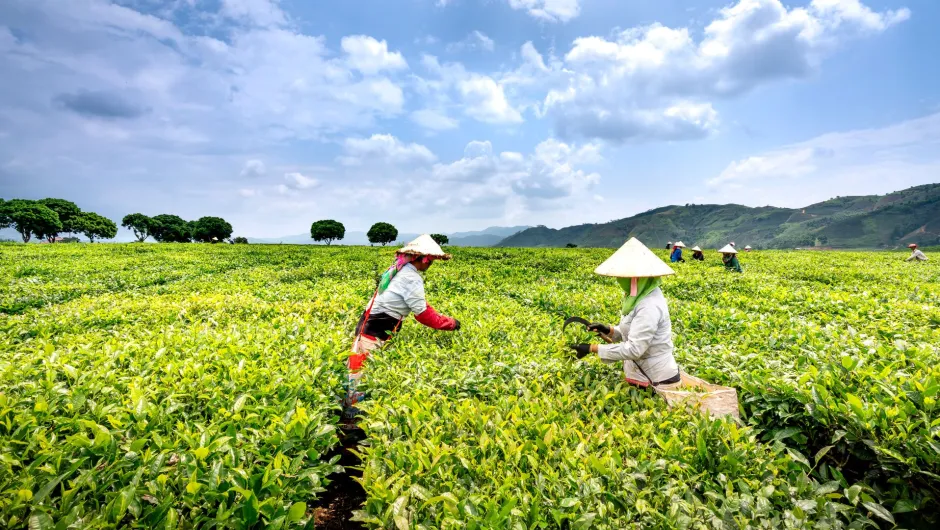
<point x="442" y="257"/>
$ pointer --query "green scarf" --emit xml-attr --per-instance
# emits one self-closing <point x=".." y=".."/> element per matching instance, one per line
<point x="644" y="286"/>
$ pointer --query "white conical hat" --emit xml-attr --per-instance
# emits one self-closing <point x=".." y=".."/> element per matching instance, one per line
<point x="634" y="260"/>
<point x="747" y="247"/>
<point x="424" y="246"/>
<point x="695" y="248"/>
<point x="728" y="249"/>
<point x="679" y="244"/>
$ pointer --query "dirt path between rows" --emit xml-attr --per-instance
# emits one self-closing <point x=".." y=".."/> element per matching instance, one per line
<point x="335" y="507"/>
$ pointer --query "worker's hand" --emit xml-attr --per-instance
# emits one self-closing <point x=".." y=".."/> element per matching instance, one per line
<point x="597" y="327"/>
<point x="456" y="325"/>
<point x="581" y="350"/>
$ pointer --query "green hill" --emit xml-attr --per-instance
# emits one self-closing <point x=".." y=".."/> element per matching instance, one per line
<point x="870" y="221"/>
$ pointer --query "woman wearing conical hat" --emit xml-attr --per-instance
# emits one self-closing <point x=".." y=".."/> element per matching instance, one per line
<point x="729" y="256"/>
<point x="676" y="255"/>
<point x="697" y="254"/>
<point x="400" y="293"/>
<point x="645" y="331"/>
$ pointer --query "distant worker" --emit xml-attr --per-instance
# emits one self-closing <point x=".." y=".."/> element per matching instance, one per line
<point x="732" y="244"/>
<point x="729" y="256"/>
<point x="697" y="254"/>
<point x="645" y="330"/>
<point x="747" y="248"/>
<point x="676" y="256"/>
<point x="916" y="253"/>
<point x="400" y="292"/>
<point x="669" y="245"/>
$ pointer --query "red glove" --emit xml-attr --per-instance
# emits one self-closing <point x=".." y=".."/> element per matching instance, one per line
<point x="432" y="319"/>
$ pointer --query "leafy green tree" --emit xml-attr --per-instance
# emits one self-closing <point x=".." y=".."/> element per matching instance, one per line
<point x="94" y="226"/>
<point x="240" y="240"/>
<point x="140" y="224"/>
<point x="168" y="228"/>
<point x="327" y="230"/>
<point x="440" y="239"/>
<point x="67" y="211"/>
<point x="30" y="218"/>
<point x="4" y="218"/>
<point x="208" y="227"/>
<point x="571" y="245"/>
<point x="383" y="233"/>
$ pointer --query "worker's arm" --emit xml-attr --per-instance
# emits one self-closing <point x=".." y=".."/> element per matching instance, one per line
<point x="432" y="319"/>
<point x="911" y="257"/>
<point x="426" y="314"/>
<point x="642" y="330"/>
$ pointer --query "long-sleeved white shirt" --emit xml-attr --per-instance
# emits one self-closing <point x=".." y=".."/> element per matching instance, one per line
<point x="646" y="335"/>
<point x="405" y="294"/>
<point x="918" y="255"/>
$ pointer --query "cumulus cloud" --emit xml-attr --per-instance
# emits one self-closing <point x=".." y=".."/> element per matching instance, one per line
<point x="385" y="149"/>
<point x="654" y="82"/>
<point x="865" y="161"/>
<point x="486" y="101"/>
<point x="299" y="181"/>
<point x="371" y="56"/>
<point x="253" y="168"/>
<point x="549" y="10"/>
<point x="549" y="173"/>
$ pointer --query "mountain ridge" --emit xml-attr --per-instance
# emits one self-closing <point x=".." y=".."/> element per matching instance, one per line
<point x="858" y="221"/>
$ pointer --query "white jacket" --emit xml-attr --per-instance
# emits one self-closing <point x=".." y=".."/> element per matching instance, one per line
<point x="404" y="295"/>
<point x="646" y="333"/>
<point x="918" y="255"/>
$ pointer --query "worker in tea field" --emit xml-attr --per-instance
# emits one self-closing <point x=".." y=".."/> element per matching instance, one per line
<point x="676" y="255"/>
<point x="645" y="330"/>
<point x="916" y="253"/>
<point x="400" y="292"/>
<point x="729" y="256"/>
<point x="697" y="254"/>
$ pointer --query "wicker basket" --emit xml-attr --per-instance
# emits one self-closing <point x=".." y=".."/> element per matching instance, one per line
<point x="716" y="399"/>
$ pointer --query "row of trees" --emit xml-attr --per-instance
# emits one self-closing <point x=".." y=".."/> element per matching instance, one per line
<point x="328" y="230"/>
<point x="168" y="228"/>
<point x="48" y="218"/>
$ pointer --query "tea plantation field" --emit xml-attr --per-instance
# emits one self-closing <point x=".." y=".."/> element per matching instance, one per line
<point x="196" y="386"/>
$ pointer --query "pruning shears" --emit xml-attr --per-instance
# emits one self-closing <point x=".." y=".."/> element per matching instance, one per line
<point x="585" y="323"/>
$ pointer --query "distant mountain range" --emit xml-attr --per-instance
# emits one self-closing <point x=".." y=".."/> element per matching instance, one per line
<point x="868" y="221"/>
<point x="479" y="238"/>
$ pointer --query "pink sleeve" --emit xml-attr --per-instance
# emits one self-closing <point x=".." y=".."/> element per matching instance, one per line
<point x="430" y="318"/>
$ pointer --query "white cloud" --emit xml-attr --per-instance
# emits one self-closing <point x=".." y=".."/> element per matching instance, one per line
<point x="864" y="161"/>
<point x="253" y="168"/>
<point x="781" y="164"/>
<point x="385" y="149"/>
<point x="299" y="181"/>
<point x="263" y="13"/>
<point x="486" y="101"/>
<point x="548" y="174"/>
<point x="655" y="82"/>
<point x="434" y="120"/>
<point x="247" y="192"/>
<point x="549" y="10"/>
<point x="476" y="40"/>
<point x="371" y="56"/>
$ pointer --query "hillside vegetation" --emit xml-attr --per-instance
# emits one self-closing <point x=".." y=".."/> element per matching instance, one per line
<point x="869" y="221"/>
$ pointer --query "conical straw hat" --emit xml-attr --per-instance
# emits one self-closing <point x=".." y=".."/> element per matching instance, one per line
<point x="695" y="248"/>
<point x="728" y="249"/>
<point x="633" y="260"/>
<point x="424" y="246"/>
<point x="747" y="247"/>
<point x="679" y="244"/>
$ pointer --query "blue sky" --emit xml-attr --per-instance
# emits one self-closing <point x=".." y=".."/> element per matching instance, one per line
<point x="454" y="115"/>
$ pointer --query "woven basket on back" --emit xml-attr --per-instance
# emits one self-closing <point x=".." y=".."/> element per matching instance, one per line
<point x="691" y="391"/>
